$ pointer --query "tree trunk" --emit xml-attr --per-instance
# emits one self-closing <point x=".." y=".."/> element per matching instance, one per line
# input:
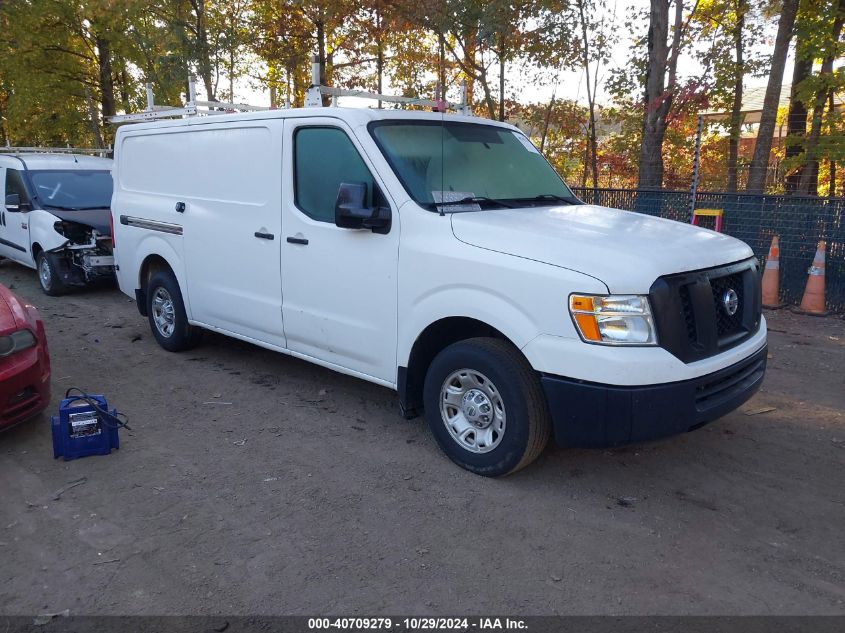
<point x="546" y="121"/>
<point x="379" y="52"/>
<point x="586" y="165"/>
<point x="3" y="120"/>
<point x="321" y="56"/>
<point x="591" y="139"/>
<point x="831" y="184"/>
<point x="105" y="78"/>
<point x="232" y="75"/>
<point x="808" y="184"/>
<point x="796" y="120"/>
<point x="469" y="63"/>
<point x="92" y="115"/>
<point x="736" y="110"/>
<point x="488" y="95"/>
<point x="763" y="145"/>
<point x="831" y="110"/>
<point x="659" y="92"/>
<point x="124" y="88"/>
<point x="501" y="76"/>
<point x="201" y="52"/>
<point x="441" y="68"/>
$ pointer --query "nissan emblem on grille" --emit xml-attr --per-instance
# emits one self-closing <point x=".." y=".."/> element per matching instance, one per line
<point x="730" y="301"/>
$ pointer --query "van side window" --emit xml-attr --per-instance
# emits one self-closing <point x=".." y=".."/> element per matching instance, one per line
<point x="324" y="157"/>
<point x="14" y="184"/>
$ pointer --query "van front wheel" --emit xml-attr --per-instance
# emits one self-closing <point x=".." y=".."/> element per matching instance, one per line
<point x="485" y="407"/>
<point x="166" y="311"/>
<point x="48" y="275"/>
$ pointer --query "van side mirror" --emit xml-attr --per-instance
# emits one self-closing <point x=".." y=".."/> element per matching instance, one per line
<point x="13" y="202"/>
<point x="350" y="211"/>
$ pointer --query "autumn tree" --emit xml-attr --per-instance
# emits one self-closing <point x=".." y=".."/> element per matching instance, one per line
<point x="765" y="131"/>
<point x="819" y="89"/>
<point x="728" y="26"/>
<point x="661" y="82"/>
<point x="67" y="60"/>
<point x="796" y="120"/>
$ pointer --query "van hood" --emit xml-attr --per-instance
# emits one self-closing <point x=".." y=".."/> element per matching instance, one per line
<point x="627" y="251"/>
<point x="95" y="218"/>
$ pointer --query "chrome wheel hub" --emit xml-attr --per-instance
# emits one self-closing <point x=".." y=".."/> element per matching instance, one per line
<point x="472" y="410"/>
<point x="164" y="314"/>
<point x="44" y="273"/>
<point x="477" y="408"/>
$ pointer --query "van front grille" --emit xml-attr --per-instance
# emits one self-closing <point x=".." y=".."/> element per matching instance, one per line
<point x="693" y="311"/>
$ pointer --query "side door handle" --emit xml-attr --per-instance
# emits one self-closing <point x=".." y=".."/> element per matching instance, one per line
<point x="297" y="240"/>
<point x="264" y="236"/>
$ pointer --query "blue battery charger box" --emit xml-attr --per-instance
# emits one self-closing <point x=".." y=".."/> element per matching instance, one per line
<point x="81" y="429"/>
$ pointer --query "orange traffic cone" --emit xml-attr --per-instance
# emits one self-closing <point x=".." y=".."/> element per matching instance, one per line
<point x="813" y="301"/>
<point x="771" y="277"/>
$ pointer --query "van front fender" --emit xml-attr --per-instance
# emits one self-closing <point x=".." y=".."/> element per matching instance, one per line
<point x="41" y="230"/>
<point x="488" y="307"/>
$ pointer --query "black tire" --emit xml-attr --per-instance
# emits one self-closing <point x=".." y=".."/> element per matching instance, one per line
<point x="179" y="335"/>
<point x="46" y="265"/>
<point x="527" y="423"/>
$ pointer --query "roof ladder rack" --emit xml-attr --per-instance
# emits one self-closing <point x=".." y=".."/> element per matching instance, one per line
<point x="155" y="112"/>
<point x="8" y="149"/>
<point x="313" y="96"/>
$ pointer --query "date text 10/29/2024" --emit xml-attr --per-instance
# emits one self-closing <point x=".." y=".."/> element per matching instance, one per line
<point x="417" y="624"/>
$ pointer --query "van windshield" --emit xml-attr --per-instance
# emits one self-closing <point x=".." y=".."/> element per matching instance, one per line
<point x="453" y="166"/>
<point x="72" y="189"/>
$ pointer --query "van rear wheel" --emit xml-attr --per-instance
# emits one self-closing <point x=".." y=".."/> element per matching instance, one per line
<point x="485" y="407"/>
<point x="166" y="312"/>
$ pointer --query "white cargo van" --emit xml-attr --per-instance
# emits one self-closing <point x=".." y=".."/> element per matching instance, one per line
<point x="56" y="216"/>
<point x="440" y="256"/>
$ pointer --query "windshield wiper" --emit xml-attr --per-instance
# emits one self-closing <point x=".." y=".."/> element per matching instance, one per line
<point x="471" y="199"/>
<point x="550" y="196"/>
<point x="58" y="206"/>
<point x="67" y="208"/>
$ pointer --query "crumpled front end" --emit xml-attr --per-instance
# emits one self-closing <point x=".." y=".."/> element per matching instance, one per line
<point x="85" y="257"/>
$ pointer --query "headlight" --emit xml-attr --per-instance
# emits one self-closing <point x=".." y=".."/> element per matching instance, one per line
<point x="16" y="342"/>
<point x="613" y="319"/>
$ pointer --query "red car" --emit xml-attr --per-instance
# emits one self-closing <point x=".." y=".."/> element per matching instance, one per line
<point x="24" y="361"/>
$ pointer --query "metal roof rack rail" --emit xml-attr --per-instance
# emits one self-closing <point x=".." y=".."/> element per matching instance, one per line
<point x="8" y="149"/>
<point x="313" y="96"/>
<point x="155" y="112"/>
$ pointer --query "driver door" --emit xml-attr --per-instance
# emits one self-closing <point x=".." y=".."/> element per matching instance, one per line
<point x="339" y="288"/>
<point x="14" y="221"/>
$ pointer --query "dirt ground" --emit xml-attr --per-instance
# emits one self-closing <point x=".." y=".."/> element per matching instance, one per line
<point x="254" y="483"/>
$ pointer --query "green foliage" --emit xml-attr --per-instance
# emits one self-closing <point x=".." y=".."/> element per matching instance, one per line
<point x="65" y="65"/>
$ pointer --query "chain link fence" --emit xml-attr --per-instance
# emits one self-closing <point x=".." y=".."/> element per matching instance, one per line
<point x="799" y="222"/>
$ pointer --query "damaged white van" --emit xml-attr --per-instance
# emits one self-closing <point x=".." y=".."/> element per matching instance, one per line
<point x="56" y="217"/>
<point x="440" y="256"/>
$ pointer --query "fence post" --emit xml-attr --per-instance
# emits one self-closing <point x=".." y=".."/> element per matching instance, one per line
<point x="696" y="163"/>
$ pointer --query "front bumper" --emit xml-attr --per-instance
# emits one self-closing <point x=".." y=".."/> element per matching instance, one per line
<point x="587" y="414"/>
<point x="24" y="385"/>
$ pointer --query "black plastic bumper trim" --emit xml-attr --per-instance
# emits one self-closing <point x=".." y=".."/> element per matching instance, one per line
<point x="590" y="415"/>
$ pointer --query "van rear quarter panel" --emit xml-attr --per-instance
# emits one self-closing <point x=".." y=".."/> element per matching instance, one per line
<point x="213" y="165"/>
